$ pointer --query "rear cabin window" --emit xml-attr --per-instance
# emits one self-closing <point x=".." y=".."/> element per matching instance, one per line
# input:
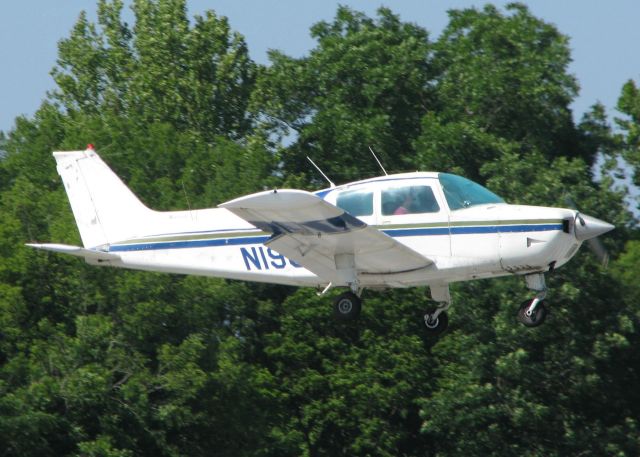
<point x="356" y="202"/>
<point x="408" y="200"/>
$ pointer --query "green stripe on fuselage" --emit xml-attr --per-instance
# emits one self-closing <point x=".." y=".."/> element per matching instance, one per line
<point x="217" y="235"/>
<point x="193" y="237"/>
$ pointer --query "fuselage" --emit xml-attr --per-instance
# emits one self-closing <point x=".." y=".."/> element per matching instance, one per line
<point x="466" y="231"/>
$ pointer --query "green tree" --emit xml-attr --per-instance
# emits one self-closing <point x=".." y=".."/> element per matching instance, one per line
<point x="365" y="84"/>
<point x="101" y="362"/>
<point x="500" y="78"/>
<point x="539" y="392"/>
<point x="161" y="94"/>
<point x="629" y="106"/>
<point x="162" y="71"/>
<point x="505" y="121"/>
<point x="348" y="389"/>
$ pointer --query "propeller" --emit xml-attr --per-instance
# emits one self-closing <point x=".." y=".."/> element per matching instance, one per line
<point x="588" y="228"/>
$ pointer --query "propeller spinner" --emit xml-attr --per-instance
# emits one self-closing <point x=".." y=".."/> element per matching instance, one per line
<point x="587" y="227"/>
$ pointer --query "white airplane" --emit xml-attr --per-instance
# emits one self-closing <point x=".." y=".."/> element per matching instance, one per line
<point x="402" y="230"/>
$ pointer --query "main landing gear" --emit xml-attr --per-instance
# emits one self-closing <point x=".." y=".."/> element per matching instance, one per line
<point x="436" y="320"/>
<point x="348" y="305"/>
<point x="532" y="313"/>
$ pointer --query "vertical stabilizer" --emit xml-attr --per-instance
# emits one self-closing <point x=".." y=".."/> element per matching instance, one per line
<point x="106" y="211"/>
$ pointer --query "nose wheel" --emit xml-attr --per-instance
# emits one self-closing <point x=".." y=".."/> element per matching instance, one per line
<point x="532" y="316"/>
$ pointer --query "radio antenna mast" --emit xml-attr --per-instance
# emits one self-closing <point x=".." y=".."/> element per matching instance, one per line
<point x="323" y="175"/>
<point x="376" y="157"/>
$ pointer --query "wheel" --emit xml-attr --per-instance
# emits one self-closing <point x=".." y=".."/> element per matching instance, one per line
<point x="436" y="326"/>
<point x="537" y="318"/>
<point x="347" y="306"/>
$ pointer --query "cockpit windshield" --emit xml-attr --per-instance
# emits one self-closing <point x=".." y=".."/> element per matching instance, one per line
<point x="462" y="193"/>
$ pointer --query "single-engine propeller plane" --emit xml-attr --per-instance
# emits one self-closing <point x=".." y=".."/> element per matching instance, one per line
<point x="401" y="230"/>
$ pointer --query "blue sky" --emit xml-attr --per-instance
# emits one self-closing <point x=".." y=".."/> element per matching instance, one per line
<point x="604" y="38"/>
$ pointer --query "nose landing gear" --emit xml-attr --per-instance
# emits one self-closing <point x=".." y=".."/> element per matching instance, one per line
<point x="532" y="313"/>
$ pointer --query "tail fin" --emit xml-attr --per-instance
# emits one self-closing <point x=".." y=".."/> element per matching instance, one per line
<point x="106" y="211"/>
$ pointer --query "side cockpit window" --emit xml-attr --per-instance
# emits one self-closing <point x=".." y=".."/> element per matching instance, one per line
<point x="462" y="193"/>
<point x="356" y="202"/>
<point x="408" y="200"/>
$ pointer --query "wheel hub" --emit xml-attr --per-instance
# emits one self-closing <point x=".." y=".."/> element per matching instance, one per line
<point x="345" y="306"/>
<point x="530" y="315"/>
<point x="430" y="322"/>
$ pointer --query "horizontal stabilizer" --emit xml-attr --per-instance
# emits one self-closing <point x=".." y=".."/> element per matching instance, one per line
<point x="77" y="251"/>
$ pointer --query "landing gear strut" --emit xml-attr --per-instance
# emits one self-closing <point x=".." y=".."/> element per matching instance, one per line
<point x="532" y="313"/>
<point x="436" y="320"/>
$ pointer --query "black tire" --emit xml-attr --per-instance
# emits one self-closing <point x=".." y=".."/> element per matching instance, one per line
<point x="347" y="306"/>
<point x="437" y="327"/>
<point x="534" y="320"/>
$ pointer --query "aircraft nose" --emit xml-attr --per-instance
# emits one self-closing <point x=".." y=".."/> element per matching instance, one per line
<point x="587" y="227"/>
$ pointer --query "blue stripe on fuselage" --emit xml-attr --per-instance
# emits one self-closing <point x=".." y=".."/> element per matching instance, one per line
<point x="402" y="232"/>
<point x="473" y="230"/>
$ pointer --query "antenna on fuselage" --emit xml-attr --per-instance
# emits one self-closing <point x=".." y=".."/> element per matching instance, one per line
<point x="377" y="160"/>
<point x="323" y="175"/>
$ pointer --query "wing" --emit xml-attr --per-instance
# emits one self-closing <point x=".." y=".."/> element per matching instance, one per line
<point x="324" y="238"/>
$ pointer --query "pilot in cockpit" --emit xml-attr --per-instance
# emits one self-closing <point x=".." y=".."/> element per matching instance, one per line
<point x="405" y="206"/>
<point x="414" y="200"/>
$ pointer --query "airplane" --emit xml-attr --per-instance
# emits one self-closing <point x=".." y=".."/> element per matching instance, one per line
<point x="394" y="231"/>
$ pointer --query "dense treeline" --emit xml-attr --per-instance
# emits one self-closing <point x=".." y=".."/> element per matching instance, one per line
<point x="98" y="362"/>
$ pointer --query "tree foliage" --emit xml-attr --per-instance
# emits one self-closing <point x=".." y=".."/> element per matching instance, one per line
<point x="100" y="362"/>
<point x="366" y="84"/>
<point x="629" y="106"/>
